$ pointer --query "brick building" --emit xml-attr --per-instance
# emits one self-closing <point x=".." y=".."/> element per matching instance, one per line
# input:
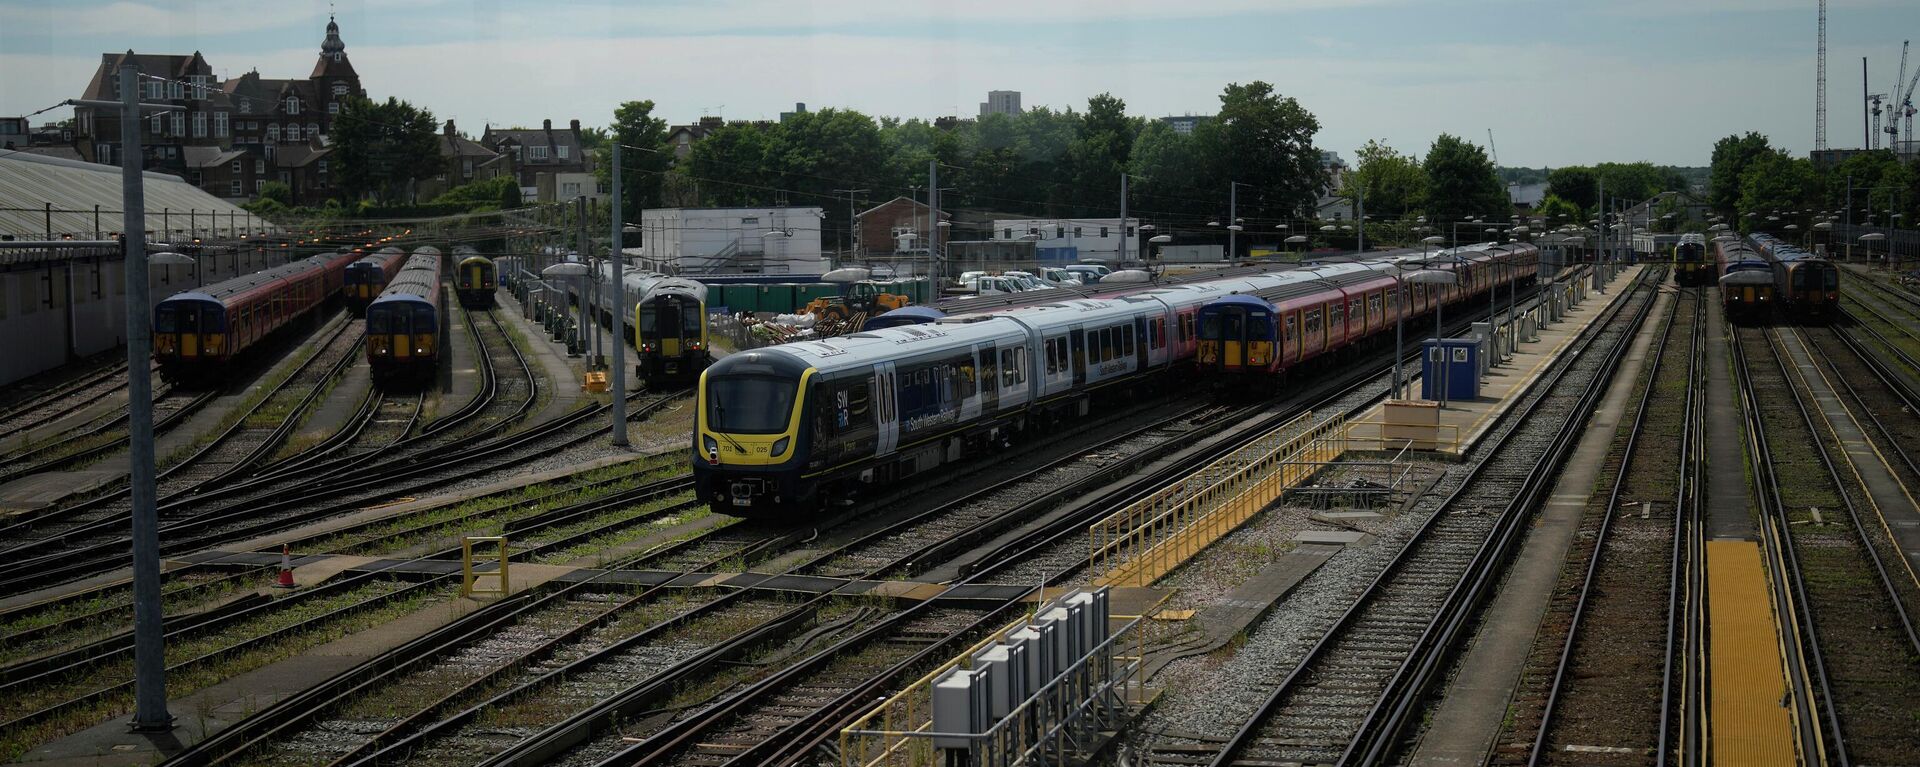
<point x="233" y="135"/>
<point x="896" y="227"/>
<point x="537" y="152"/>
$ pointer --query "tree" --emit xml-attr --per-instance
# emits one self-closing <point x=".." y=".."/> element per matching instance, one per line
<point x="499" y="192"/>
<point x="382" y="149"/>
<point x="643" y="160"/>
<point x="1731" y="156"/>
<point x="1264" y="140"/>
<point x="731" y="165"/>
<point x="1167" y="169"/>
<point x="1099" y="154"/>
<point x="1776" y="181"/>
<point x="1553" y="207"/>
<point x="277" y="192"/>
<point x="1576" y="185"/>
<point x="1394" y="184"/>
<point x="1461" y="182"/>
<point x="1636" y="181"/>
<point x="1876" y="174"/>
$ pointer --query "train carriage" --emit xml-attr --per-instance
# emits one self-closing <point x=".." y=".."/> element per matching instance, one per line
<point x="404" y="324"/>
<point x="1690" y="264"/>
<point x="197" y="332"/>
<point x="365" y="278"/>
<point x="1747" y="295"/>
<point x="474" y="278"/>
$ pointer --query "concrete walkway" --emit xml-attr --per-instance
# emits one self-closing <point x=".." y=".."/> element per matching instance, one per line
<point x="1729" y="513"/>
<point x="1470" y="714"/>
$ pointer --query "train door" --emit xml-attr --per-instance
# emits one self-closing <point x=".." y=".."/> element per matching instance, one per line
<point x="885" y="405"/>
<point x="1141" y="341"/>
<point x="988" y="368"/>
<point x="1290" y="338"/>
<point x="1077" y="354"/>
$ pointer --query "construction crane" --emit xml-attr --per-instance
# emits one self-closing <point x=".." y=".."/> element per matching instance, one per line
<point x="1893" y="103"/>
<point x="1874" y="135"/>
<point x="1904" y="104"/>
<point x="1491" y="150"/>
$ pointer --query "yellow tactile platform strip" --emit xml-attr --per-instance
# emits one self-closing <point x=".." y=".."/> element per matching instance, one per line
<point x="1747" y="687"/>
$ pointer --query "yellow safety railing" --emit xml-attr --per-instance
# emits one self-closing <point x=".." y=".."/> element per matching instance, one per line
<point x="1143" y="542"/>
<point x="469" y="580"/>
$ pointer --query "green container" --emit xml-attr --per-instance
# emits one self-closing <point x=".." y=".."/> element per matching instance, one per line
<point x="775" y="298"/>
<point x="737" y="298"/>
<point x="812" y="290"/>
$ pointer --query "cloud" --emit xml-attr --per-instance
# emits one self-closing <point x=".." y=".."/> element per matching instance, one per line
<point x="124" y="18"/>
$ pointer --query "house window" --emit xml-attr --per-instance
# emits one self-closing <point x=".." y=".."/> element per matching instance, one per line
<point x="1076" y="233"/>
<point x="313" y="130"/>
<point x="199" y="124"/>
<point x="339" y="89"/>
<point x="199" y="87"/>
<point x="273" y="132"/>
<point x="570" y="189"/>
<point x="259" y="167"/>
<point x="293" y="132"/>
<point x="220" y="124"/>
<point x="179" y="124"/>
<point x="1007" y="234"/>
<point x="237" y="167"/>
<point x="157" y="121"/>
<point x="293" y="105"/>
<point x="322" y="167"/>
<point x="233" y="189"/>
<point x="537" y="153"/>
<point x="466" y="168"/>
<point x="333" y="107"/>
<point x="176" y="90"/>
<point x="269" y="150"/>
<point x="246" y="106"/>
<point x="103" y="152"/>
<point x="1103" y="231"/>
<point x="750" y="221"/>
<point x="562" y="149"/>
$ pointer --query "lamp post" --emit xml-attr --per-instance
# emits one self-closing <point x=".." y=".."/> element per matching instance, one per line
<point x="1868" y="240"/>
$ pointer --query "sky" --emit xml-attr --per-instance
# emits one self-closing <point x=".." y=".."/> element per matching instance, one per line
<point x="1558" y="83"/>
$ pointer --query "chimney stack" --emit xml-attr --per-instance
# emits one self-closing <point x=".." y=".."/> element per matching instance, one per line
<point x="449" y="127"/>
<point x="576" y="125"/>
<point x="546" y="124"/>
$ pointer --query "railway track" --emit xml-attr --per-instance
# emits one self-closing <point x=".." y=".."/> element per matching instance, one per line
<point x="1358" y="687"/>
<point x="1598" y="669"/>
<point x="35" y="403"/>
<point x="1851" y="597"/>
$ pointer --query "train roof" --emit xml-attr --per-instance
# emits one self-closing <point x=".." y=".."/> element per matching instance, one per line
<point x="224" y="289"/>
<point x="1747" y="277"/>
<point x="863" y="349"/>
<point x="418" y="280"/>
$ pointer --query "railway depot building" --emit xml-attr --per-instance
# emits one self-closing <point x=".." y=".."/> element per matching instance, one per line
<point x="234" y="134"/>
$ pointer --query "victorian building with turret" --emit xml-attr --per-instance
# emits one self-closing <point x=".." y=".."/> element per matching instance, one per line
<point x="234" y="135"/>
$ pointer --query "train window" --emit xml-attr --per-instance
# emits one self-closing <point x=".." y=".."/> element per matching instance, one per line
<point x="1336" y="312"/>
<point x="1313" y="323"/>
<point x="1053" y="366"/>
<point x="1292" y="326"/>
<point x="1020" y="364"/>
<point x="964" y="371"/>
<point x="989" y="368"/>
<point x="1186" y="328"/>
<point x="1127" y="336"/>
<point x="1374" y="304"/>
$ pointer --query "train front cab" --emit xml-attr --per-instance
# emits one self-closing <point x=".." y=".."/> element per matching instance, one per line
<point x="1236" y="335"/>
<point x="1690" y="264"/>
<point x="1748" y="296"/>
<point x="364" y="281"/>
<point x="672" y="338"/>
<point x="474" y="282"/>
<point x="750" y="441"/>
<point x="402" y="336"/>
<point x="1813" y="290"/>
<point x="188" y="330"/>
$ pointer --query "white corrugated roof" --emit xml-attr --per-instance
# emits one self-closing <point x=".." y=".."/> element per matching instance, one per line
<point x="29" y="182"/>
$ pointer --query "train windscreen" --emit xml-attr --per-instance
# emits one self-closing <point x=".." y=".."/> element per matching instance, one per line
<point x="749" y="404"/>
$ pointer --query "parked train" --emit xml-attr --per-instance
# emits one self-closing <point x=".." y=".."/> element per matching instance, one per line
<point x="1285" y="319"/>
<point x="663" y="318"/>
<point x="1690" y="264"/>
<point x="1807" y="286"/>
<point x="404" y="323"/>
<point x="474" y="278"/>
<point x="196" y="332"/>
<point x="366" y="277"/>
<point x="781" y="430"/>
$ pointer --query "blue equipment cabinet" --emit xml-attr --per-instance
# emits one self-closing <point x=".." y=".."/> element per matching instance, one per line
<point x="1453" y="363"/>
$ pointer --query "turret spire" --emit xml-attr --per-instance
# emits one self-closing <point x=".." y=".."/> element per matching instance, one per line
<point x="333" y="47"/>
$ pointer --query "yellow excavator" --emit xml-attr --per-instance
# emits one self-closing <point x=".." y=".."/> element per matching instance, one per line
<point x="859" y="298"/>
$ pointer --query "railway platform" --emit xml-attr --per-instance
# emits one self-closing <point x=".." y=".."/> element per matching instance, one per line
<point x="1454" y="429"/>
<point x="1747" y="723"/>
<point x="1469" y="716"/>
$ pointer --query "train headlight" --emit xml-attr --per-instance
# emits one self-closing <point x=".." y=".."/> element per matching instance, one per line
<point x="779" y="448"/>
<point x="713" y="448"/>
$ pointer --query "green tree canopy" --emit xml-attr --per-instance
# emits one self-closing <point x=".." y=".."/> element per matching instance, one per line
<point x="1776" y="181"/>
<point x="1265" y="140"/>
<point x="499" y="192"/>
<point x="1552" y="207"/>
<point x="277" y="192"/>
<point x="1731" y="156"/>
<point x="1099" y="154"/>
<point x="1395" y="184"/>
<point x="645" y="159"/>
<point x="381" y="148"/>
<point x="1461" y="182"/>
<point x="1576" y="185"/>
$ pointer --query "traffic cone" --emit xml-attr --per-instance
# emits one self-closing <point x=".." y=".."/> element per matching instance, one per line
<point x="286" y="568"/>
